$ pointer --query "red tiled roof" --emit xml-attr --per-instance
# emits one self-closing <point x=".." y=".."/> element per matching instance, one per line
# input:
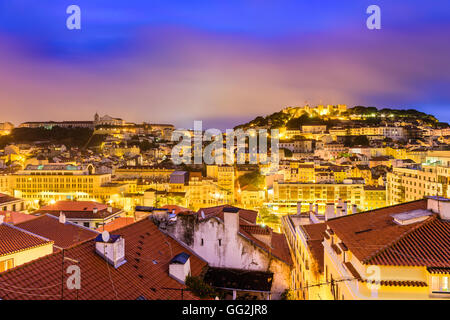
<point x="244" y="214"/>
<point x="145" y="274"/>
<point x="14" y="218"/>
<point x="279" y="247"/>
<point x="426" y="245"/>
<point x="116" y="224"/>
<point x="177" y="209"/>
<point x="315" y="233"/>
<point x="79" y="210"/>
<point x="74" y="206"/>
<point x="64" y="235"/>
<point x="12" y="239"/>
<point x="374" y="238"/>
<point x="4" y="198"/>
<point x="255" y="229"/>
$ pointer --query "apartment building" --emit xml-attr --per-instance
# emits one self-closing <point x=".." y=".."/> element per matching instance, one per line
<point x="84" y="213"/>
<point x="405" y="184"/>
<point x="286" y="195"/>
<point x="394" y="133"/>
<point x="60" y="181"/>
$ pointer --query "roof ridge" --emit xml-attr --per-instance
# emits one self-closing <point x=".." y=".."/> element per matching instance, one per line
<point x="27" y="232"/>
<point x="22" y="222"/>
<point x="400" y="237"/>
<point x="375" y="210"/>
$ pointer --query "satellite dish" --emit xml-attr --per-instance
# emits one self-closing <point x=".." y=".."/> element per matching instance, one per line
<point x="105" y="236"/>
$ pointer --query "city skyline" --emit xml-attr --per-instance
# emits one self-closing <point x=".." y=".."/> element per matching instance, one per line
<point x="224" y="150"/>
<point x="157" y="60"/>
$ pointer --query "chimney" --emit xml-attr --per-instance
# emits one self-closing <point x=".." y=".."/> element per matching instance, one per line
<point x="110" y="209"/>
<point x="62" y="217"/>
<point x="231" y="219"/>
<point x="329" y="211"/>
<point x="354" y="208"/>
<point x="111" y="248"/>
<point x="95" y="210"/>
<point x="180" y="267"/>
<point x="316" y="208"/>
<point x="299" y="207"/>
<point x="345" y="208"/>
<point x="311" y="207"/>
<point x="2" y="217"/>
<point x="439" y="205"/>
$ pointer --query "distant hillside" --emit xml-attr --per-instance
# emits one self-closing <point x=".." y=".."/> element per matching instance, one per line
<point x="71" y="137"/>
<point x="293" y="118"/>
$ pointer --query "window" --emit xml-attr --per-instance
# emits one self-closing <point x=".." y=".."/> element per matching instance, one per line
<point x="440" y="284"/>
<point x="202" y="242"/>
<point x="220" y="242"/>
<point x="6" y="264"/>
<point x="86" y="224"/>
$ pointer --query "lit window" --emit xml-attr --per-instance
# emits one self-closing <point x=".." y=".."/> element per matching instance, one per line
<point x="6" y="265"/>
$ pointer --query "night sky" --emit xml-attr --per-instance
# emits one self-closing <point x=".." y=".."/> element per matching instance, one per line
<point x="220" y="61"/>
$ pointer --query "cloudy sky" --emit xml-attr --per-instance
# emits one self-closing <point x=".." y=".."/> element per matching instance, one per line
<point x="221" y="61"/>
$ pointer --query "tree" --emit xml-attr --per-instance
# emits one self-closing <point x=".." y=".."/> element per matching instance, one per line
<point x="361" y="141"/>
<point x="200" y="288"/>
<point x="253" y="178"/>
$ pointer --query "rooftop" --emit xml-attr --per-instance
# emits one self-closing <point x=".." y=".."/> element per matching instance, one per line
<point x="145" y="274"/>
<point x="64" y="235"/>
<point x="13" y="239"/>
<point x="375" y="238"/>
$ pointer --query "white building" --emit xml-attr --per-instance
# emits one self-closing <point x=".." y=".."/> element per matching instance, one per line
<point x="229" y="239"/>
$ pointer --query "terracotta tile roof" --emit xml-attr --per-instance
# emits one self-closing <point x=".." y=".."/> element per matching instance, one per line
<point x="256" y="229"/>
<point x="244" y="214"/>
<point x="79" y="210"/>
<point x="316" y="249"/>
<point x="14" y="218"/>
<point x="116" y="224"/>
<point x="177" y="209"/>
<point x="439" y="270"/>
<point x="74" y="206"/>
<point x="279" y="247"/>
<point x="426" y="245"/>
<point x="315" y="233"/>
<point x="144" y="275"/>
<point x="13" y="239"/>
<point x="4" y="198"/>
<point x="374" y="238"/>
<point x="64" y="235"/>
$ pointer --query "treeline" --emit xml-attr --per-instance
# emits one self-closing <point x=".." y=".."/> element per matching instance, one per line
<point x="70" y="137"/>
<point x="391" y="113"/>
